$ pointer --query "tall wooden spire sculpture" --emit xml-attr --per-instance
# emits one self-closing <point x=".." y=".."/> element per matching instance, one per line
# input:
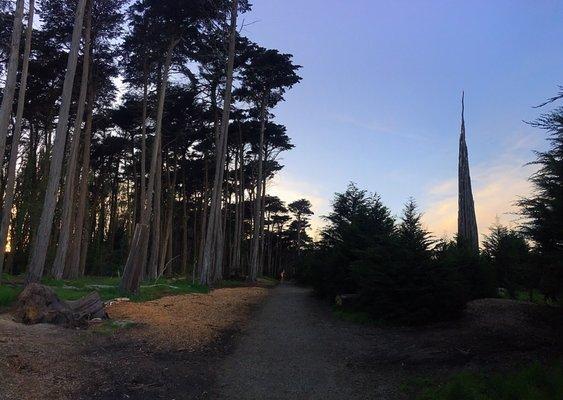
<point x="466" y="222"/>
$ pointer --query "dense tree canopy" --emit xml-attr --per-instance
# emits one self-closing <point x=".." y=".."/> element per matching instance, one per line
<point x="143" y="152"/>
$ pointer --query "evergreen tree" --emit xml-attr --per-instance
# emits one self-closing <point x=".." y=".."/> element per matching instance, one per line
<point x="544" y="208"/>
<point x="509" y="255"/>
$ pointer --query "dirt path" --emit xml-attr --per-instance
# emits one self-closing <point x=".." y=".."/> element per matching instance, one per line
<point x="295" y="349"/>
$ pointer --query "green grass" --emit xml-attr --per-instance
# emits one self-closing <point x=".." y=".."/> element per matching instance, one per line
<point x="110" y="327"/>
<point x="231" y="283"/>
<point x="107" y="287"/>
<point x="8" y="295"/>
<point x="537" y="298"/>
<point x="535" y="382"/>
<point x="268" y="281"/>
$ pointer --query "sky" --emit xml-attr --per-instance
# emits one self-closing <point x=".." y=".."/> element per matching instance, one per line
<point x="379" y="103"/>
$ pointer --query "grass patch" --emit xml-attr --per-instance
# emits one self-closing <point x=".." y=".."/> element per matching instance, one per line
<point x="534" y="382"/>
<point x="268" y="281"/>
<point x="8" y="294"/>
<point x="110" y="327"/>
<point x="107" y="287"/>
<point x="231" y="283"/>
<point x="537" y="297"/>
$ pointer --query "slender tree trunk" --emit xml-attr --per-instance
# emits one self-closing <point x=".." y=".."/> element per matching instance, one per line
<point x="70" y="183"/>
<point x="11" y="76"/>
<point x="81" y="239"/>
<point x="156" y="225"/>
<point x="137" y="254"/>
<point x="262" y="220"/>
<point x="39" y="253"/>
<point x="298" y="235"/>
<point x="144" y="131"/>
<point x="240" y="224"/>
<point x="213" y="228"/>
<point x="255" y="255"/>
<point x="11" y="175"/>
<point x="185" y="231"/>
<point x="204" y="212"/>
<point x="168" y="224"/>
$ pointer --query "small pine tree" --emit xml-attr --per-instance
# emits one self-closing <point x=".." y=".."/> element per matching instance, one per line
<point x="413" y="238"/>
<point x="509" y="255"/>
<point x="402" y="282"/>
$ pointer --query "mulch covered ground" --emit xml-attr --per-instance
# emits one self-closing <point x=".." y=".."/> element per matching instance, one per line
<point x="170" y="340"/>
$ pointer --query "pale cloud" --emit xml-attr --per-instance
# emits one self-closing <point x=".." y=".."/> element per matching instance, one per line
<point x="379" y="127"/>
<point x="372" y="126"/>
<point x="497" y="185"/>
<point x="289" y="189"/>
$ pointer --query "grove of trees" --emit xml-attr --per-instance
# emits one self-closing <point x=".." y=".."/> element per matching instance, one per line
<point x="139" y="141"/>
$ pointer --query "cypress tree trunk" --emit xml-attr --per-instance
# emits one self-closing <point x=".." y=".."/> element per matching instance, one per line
<point x="204" y="212"/>
<point x="11" y="76"/>
<point x="184" y="231"/>
<point x="144" y="131"/>
<point x="165" y="251"/>
<point x="137" y="254"/>
<point x="240" y="212"/>
<point x="213" y="228"/>
<point x="70" y="183"/>
<point x="80" y="240"/>
<point x="156" y="225"/>
<point x="467" y="222"/>
<point x="39" y="252"/>
<point x="255" y="255"/>
<point x="9" y="191"/>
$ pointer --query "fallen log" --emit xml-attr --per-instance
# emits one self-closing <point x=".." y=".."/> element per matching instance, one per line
<point x="39" y="304"/>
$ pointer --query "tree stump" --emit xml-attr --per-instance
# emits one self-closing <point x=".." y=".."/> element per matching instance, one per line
<point x="39" y="304"/>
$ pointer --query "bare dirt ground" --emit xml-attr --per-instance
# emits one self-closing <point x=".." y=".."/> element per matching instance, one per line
<point x="204" y="347"/>
<point x="167" y="354"/>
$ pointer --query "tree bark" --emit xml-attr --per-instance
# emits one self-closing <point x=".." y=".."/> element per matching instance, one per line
<point x="9" y="190"/>
<point x="70" y="183"/>
<point x="184" y="231"/>
<point x="39" y="304"/>
<point x="240" y="205"/>
<point x="156" y="225"/>
<point x="79" y="247"/>
<point x="255" y="256"/>
<point x="137" y="255"/>
<point x="11" y="76"/>
<point x="144" y="131"/>
<point x="167" y="242"/>
<point x="39" y="252"/>
<point x="213" y="225"/>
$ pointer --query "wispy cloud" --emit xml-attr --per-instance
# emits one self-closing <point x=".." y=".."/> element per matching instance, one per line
<point x="379" y="127"/>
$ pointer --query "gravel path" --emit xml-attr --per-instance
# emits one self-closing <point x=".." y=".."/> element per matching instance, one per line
<point x="296" y="349"/>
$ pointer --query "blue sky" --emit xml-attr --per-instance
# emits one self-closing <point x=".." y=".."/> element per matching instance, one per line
<point x="379" y="103"/>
